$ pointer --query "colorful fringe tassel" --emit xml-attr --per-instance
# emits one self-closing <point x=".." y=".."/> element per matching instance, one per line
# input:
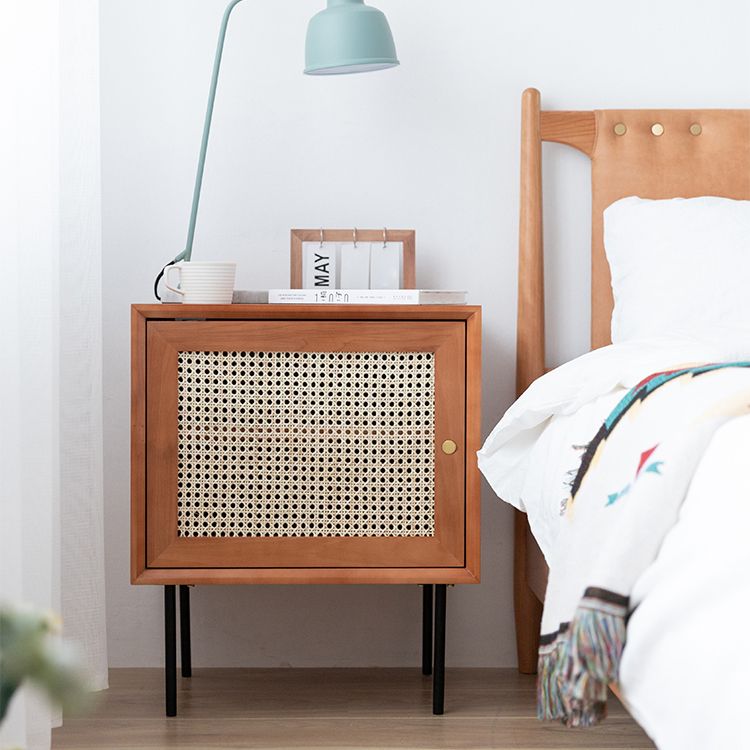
<point x="576" y="668"/>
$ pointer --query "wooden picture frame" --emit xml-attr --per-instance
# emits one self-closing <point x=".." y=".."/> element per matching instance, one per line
<point x="406" y="236"/>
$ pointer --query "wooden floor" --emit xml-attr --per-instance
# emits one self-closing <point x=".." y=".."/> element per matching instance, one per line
<point x="330" y="708"/>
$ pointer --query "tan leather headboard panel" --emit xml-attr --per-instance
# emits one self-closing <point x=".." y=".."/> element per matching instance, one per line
<point x="677" y="163"/>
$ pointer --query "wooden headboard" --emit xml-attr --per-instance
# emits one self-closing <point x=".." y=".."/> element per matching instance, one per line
<point x="661" y="153"/>
<point x="652" y="153"/>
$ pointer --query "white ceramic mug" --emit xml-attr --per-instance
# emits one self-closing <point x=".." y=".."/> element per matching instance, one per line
<point x="203" y="282"/>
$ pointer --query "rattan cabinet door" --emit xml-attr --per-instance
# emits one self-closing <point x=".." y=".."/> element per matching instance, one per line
<point x="305" y="444"/>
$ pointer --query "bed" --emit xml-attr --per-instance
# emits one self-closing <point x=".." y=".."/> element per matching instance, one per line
<point x="656" y="155"/>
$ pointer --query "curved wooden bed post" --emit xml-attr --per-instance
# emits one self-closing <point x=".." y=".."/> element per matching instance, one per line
<point x="650" y="153"/>
<point x="529" y="356"/>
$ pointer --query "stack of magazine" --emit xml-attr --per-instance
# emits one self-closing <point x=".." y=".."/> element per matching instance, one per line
<point x="352" y="297"/>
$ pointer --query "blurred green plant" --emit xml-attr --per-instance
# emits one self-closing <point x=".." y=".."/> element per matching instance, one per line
<point x="31" y="650"/>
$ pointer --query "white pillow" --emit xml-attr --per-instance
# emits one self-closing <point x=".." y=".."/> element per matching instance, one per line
<point x="678" y="265"/>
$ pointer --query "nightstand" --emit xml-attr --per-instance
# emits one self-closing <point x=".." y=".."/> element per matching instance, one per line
<point x="305" y="444"/>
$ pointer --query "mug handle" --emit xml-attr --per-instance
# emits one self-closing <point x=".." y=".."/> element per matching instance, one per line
<point x="166" y="280"/>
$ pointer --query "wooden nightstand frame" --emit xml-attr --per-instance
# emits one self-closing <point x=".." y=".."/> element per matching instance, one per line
<point x="451" y="333"/>
<point x="163" y="568"/>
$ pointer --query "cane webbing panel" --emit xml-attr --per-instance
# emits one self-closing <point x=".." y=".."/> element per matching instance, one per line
<point x="314" y="444"/>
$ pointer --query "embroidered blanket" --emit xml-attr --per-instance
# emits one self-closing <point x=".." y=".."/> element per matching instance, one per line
<point x="626" y="496"/>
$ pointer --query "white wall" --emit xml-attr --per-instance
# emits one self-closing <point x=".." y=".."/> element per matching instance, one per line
<point x="432" y="145"/>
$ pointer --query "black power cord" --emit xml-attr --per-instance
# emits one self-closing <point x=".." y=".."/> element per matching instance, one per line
<point x="158" y="279"/>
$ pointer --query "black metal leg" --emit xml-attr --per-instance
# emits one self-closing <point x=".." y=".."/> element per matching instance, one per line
<point x="427" y="629"/>
<point x="438" y="679"/>
<point x="186" y="665"/>
<point x="170" y="650"/>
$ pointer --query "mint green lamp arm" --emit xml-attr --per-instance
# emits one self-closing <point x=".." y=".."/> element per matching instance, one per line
<point x="188" y="251"/>
<point x="347" y="37"/>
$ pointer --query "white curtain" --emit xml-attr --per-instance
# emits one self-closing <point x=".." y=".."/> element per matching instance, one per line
<point x="51" y="514"/>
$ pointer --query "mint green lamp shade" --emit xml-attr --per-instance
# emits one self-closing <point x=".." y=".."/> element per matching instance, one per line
<point x="348" y="37"/>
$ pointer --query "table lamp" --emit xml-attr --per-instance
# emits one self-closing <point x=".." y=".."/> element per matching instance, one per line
<point x="347" y="37"/>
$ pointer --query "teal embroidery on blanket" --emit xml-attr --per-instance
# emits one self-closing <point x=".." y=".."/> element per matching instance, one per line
<point x="644" y="467"/>
<point x="654" y="468"/>
<point x="615" y="496"/>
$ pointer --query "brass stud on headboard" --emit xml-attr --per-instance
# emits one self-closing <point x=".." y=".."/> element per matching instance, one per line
<point x="657" y="128"/>
<point x="620" y="128"/>
<point x="696" y="129"/>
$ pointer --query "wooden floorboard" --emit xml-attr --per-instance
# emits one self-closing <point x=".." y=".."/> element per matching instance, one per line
<point x="330" y="708"/>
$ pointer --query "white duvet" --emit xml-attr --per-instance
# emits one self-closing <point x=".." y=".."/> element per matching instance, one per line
<point x="684" y="669"/>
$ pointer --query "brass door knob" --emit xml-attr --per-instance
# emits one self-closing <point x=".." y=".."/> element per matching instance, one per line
<point x="449" y="447"/>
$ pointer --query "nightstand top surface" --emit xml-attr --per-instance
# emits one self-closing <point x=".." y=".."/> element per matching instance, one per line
<point x="320" y="312"/>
